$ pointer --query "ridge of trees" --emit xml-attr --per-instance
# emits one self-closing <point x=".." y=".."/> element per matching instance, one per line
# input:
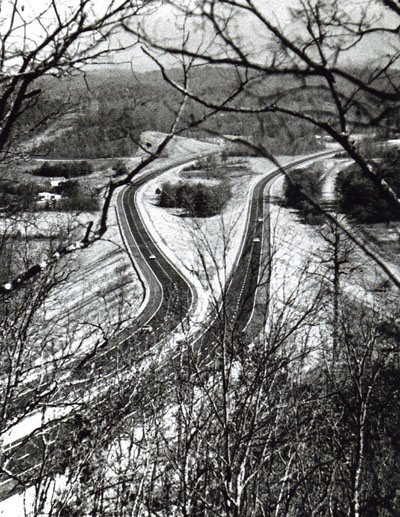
<point x="108" y="122"/>
<point x="114" y="112"/>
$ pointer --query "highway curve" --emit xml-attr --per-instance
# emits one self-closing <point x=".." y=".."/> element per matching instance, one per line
<point x="169" y="296"/>
<point x="168" y="300"/>
<point x="239" y="297"/>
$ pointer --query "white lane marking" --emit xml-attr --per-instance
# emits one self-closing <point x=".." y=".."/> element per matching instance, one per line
<point x="302" y="161"/>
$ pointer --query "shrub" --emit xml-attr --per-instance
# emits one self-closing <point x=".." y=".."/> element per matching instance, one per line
<point x="310" y="182"/>
<point x="359" y="198"/>
<point x="167" y="197"/>
<point x="69" y="188"/>
<point x="75" y="197"/>
<point x="373" y="149"/>
<point x="197" y="199"/>
<point x="18" y="196"/>
<point x="120" y="169"/>
<point x="207" y="163"/>
<point x="238" y="148"/>
<point x="64" y="169"/>
<point x="79" y="204"/>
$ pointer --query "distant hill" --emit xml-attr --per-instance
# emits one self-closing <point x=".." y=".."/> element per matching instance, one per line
<point x="103" y="113"/>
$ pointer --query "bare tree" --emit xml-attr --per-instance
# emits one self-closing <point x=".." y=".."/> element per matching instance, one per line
<point x="338" y="262"/>
<point x="40" y="40"/>
<point x="242" y="423"/>
<point x="310" y="66"/>
<point x="43" y="40"/>
<point x="253" y="423"/>
<point x="315" y="65"/>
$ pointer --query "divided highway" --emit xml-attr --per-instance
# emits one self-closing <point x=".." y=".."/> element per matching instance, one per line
<point x="169" y="297"/>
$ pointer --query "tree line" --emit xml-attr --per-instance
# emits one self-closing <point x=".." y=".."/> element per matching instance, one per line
<point x="355" y="195"/>
<point x="64" y="169"/>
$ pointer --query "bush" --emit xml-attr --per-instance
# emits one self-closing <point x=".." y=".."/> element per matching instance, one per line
<point x="79" y="204"/>
<point x="237" y="148"/>
<point x="310" y="182"/>
<point x="64" y="169"/>
<point x="18" y="196"/>
<point x="198" y="199"/>
<point x="69" y="188"/>
<point x="372" y="149"/>
<point x="207" y="163"/>
<point x="359" y="198"/>
<point x="167" y="195"/>
<point x="120" y="169"/>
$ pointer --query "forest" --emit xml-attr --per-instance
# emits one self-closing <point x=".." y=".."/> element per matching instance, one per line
<point x="107" y="122"/>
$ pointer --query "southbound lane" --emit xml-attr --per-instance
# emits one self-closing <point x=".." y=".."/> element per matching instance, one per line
<point x="236" y="308"/>
<point x="169" y="295"/>
<point x="167" y="301"/>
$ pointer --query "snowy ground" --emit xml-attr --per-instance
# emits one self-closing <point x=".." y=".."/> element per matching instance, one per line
<point x="204" y="248"/>
<point x="178" y="146"/>
<point x="299" y="260"/>
<point x="104" y="287"/>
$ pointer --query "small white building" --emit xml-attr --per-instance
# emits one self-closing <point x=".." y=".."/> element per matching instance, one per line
<point x="48" y="197"/>
<point x="54" y="182"/>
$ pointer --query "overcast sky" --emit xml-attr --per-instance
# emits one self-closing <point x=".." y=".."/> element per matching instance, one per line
<point x="163" y="20"/>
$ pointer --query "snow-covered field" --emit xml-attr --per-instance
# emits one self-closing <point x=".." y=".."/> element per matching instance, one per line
<point x="178" y="146"/>
<point x="204" y="248"/>
<point x="101" y="294"/>
<point x="104" y="289"/>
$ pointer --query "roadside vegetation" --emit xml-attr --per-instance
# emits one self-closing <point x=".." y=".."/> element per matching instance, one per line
<point x="359" y="197"/>
<point x="301" y="185"/>
<point x="64" y="169"/>
<point x="222" y="166"/>
<point x="209" y="167"/>
<point x="196" y="199"/>
<point x="75" y="196"/>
